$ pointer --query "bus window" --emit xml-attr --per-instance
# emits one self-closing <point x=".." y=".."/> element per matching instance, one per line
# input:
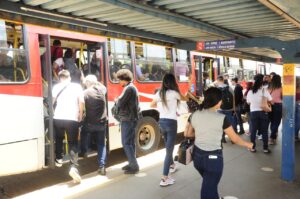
<point x="119" y="57"/>
<point x="152" y="62"/>
<point x="13" y="62"/>
<point x="182" y="68"/>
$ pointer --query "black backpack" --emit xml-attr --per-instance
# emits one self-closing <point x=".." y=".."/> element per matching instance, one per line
<point x="227" y="98"/>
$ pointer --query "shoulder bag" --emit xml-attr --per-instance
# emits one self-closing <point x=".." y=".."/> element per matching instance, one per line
<point x="55" y="100"/>
<point x="266" y="107"/>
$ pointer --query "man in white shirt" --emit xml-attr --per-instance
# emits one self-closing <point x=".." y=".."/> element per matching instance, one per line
<point x="67" y="115"/>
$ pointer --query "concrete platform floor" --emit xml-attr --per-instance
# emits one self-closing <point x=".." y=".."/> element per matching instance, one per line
<point x="246" y="176"/>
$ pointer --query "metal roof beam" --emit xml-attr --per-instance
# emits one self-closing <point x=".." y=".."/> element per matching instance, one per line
<point x="147" y="10"/>
<point x="31" y="17"/>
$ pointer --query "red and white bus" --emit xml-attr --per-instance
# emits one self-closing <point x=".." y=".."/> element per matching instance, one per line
<point x="25" y="81"/>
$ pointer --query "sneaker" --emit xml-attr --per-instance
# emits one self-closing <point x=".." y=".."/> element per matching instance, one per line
<point x="126" y="167"/>
<point x="58" y="162"/>
<point x="252" y="150"/>
<point x="131" y="170"/>
<point x="259" y="137"/>
<point x="173" y="168"/>
<point x="267" y="151"/>
<point x="102" y="171"/>
<point x="75" y="175"/>
<point x="166" y="182"/>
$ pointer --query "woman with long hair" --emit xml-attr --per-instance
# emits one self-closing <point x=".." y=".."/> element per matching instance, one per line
<point x="259" y="118"/>
<point x="167" y="100"/>
<point x="208" y="126"/>
<point x="275" y="90"/>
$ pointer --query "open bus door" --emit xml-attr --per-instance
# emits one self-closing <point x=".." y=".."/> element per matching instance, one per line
<point x="97" y="65"/>
<point x="46" y="66"/>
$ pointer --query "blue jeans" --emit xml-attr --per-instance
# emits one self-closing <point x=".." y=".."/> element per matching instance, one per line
<point x="209" y="164"/>
<point x="100" y="131"/>
<point x="169" y="131"/>
<point x="128" y="141"/>
<point x="260" y="123"/>
<point x="275" y="119"/>
<point x="237" y="119"/>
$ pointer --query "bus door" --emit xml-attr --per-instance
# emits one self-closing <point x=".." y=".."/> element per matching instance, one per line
<point x="46" y="66"/>
<point x="198" y="73"/>
<point x="97" y="64"/>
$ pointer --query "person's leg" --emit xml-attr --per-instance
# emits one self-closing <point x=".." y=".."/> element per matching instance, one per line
<point x="83" y="140"/>
<point x="171" y="131"/>
<point x="254" y="126"/>
<point x="240" y="120"/>
<point x="263" y="128"/>
<point x="72" y="133"/>
<point x="128" y="135"/>
<point x="212" y="174"/>
<point x="100" y="132"/>
<point x="276" y="120"/>
<point x="59" y="137"/>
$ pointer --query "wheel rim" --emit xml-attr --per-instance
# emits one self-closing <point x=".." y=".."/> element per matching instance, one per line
<point x="146" y="137"/>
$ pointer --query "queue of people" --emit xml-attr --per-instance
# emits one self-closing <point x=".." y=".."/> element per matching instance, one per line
<point x="219" y="114"/>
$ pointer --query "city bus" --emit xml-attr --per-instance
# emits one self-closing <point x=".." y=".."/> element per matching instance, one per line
<point x="26" y="82"/>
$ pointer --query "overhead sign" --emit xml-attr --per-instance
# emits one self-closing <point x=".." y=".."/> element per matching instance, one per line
<point x="215" y="45"/>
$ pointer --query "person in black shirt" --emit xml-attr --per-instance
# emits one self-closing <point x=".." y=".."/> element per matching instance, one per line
<point x="95" y="119"/>
<point x="238" y="101"/>
<point x="128" y="104"/>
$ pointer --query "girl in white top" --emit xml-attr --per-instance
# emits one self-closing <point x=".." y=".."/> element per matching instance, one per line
<point x="167" y="101"/>
<point x="259" y="120"/>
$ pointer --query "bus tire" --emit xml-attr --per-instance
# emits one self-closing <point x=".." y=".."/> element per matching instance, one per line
<point x="147" y="136"/>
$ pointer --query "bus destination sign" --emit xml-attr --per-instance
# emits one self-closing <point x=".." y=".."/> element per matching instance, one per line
<point x="215" y="45"/>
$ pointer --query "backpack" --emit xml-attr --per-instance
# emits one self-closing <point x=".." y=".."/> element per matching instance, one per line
<point x="227" y="98"/>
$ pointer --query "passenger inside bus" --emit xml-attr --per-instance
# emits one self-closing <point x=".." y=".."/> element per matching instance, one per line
<point x="56" y="58"/>
<point x="71" y="66"/>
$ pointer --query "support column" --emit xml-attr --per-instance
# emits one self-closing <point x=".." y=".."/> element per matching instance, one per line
<point x="288" y="123"/>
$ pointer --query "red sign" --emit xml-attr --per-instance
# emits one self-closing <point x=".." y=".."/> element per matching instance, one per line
<point x="200" y="45"/>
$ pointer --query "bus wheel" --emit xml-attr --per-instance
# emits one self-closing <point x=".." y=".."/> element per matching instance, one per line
<point x="147" y="136"/>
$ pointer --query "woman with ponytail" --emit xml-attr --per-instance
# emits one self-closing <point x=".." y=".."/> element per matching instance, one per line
<point x="167" y="100"/>
<point x="209" y="125"/>
<point x="259" y="118"/>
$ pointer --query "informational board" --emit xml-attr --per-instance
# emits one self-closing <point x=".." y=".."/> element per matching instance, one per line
<point x="215" y="45"/>
<point x="289" y="83"/>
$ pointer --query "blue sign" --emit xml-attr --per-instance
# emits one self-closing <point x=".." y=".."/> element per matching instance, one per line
<point x="216" y="45"/>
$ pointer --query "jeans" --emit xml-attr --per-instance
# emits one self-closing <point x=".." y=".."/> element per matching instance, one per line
<point x="237" y="119"/>
<point x="275" y="119"/>
<point x="100" y="131"/>
<point x="71" y="128"/>
<point x="128" y="141"/>
<point x="260" y="123"/>
<point x="169" y="131"/>
<point x="209" y="164"/>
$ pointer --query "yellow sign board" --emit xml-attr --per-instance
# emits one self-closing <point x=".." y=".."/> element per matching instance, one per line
<point x="289" y="86"/>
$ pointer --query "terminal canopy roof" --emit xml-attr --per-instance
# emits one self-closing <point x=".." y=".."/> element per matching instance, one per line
<point x="180" y="21"/>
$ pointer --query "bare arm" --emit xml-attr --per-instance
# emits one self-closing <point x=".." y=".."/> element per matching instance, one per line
<point x="153" y="104"/>
<point x="236" y="139"/>
<point x="80" y="116"/>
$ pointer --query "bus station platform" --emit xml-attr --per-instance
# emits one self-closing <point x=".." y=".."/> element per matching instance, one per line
<point x="246" y="176"/>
